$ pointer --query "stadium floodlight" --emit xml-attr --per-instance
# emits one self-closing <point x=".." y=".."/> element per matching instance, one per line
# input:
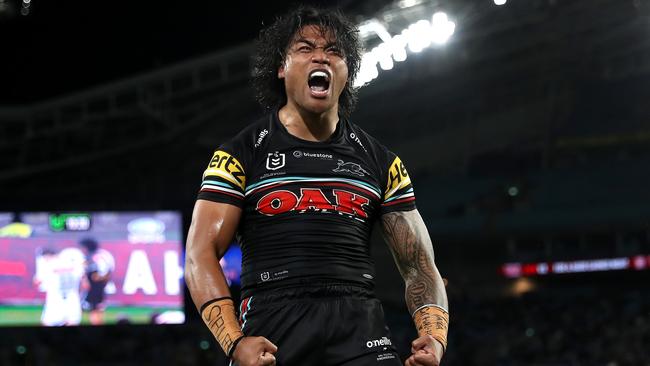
<point x="398" y="48"/>
<point x="24" y="10"/>
<point x="373" y="26"/>
<point x="499" y="2"/>
<point x="384" y="55"/>
<point x="408" y="3"/>
<point x="416" y="37"/>
<point x="368" y="70"/>
<point x="441" y="28"/>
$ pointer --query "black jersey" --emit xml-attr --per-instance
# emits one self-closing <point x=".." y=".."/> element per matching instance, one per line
<point x="308" y="207"/>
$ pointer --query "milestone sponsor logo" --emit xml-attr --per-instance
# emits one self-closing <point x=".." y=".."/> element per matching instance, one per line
<point x="299" y="154"/>
<point x="260" y="138"/>
<point x="275" y="161"/>
<point x="383" y="341"/>
<point x="352" y="168"/>
<point x="314" y="199"/>
<point x="354" y="137"/>
<point x="271" y="174"/>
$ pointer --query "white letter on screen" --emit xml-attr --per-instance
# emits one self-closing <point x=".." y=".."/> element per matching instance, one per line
<point x="139" y="275"/>
<point x="173" y="273"/>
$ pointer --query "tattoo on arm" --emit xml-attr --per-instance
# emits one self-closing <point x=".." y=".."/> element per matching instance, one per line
<point x="410" y="244"/>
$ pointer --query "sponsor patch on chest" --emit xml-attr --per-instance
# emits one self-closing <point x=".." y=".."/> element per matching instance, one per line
<point x="327" y="200"/>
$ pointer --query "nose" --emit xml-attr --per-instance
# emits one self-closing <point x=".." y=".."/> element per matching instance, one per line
<point x="320" y="56"/>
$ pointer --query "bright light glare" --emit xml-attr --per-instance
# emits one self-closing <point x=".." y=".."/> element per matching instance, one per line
<point x="374" y="26"/>
<point x="439" y="18"/>
<point x="368" y="70"/>
<point x="441" y="28"/>
<point x="499" y="2"/>
<point x="407" y="3"/>
<point x="416" y="37"/>
<point x="383" y="54"/>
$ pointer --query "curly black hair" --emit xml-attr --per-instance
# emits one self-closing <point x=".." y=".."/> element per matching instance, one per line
<point x="90" y="244"/>
<point x="271" y="51"/>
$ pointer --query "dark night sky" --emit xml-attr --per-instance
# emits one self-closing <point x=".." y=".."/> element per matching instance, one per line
<point x="67" y="45"/>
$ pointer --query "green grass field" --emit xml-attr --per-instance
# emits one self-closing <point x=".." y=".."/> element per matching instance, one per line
<point x="31" y="315"/>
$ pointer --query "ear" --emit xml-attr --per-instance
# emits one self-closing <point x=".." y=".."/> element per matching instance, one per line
<point x="281" y="71"/>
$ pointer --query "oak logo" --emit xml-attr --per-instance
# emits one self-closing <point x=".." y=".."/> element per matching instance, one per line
<point x="275" y="161"/>
<point x="225" y="166"/>
<point x="313" y="199"/>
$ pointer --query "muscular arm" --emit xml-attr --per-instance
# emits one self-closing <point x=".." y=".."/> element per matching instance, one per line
<point x="211" y="232"/>
<point x="410" y="244"/>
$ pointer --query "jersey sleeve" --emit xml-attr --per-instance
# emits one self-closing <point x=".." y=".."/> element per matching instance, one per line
<point x="398" y="193"/>
<point x="224" y="180"/>
<point x="104" y="261"/>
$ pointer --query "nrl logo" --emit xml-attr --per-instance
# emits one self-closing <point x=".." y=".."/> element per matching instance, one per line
<point x="275" y="161"/>
<point x="350" y="168"/>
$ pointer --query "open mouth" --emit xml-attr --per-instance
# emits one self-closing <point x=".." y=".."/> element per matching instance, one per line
<point x="319" y="82"/>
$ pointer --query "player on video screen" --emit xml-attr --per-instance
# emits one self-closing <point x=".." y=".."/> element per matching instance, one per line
<point x="60" y="276"/>
<point x="99" y="268"/>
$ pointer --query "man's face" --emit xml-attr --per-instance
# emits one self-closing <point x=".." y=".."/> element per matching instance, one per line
<point x="314" y="70"/>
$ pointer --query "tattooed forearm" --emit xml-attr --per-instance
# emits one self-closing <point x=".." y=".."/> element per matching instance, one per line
<point x="408" y="239"/>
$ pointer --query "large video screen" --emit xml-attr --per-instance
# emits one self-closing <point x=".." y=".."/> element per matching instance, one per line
<point x="90" y="268"/>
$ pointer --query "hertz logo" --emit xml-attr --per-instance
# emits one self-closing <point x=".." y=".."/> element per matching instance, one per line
<point x="225" y="166"/>
<point x="398" y="178"/>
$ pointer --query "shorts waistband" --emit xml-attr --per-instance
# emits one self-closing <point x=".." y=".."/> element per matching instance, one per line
<point x="311" y="292"/>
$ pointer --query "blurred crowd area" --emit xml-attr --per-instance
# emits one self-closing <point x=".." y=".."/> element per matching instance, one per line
<point x="546" y="328"/>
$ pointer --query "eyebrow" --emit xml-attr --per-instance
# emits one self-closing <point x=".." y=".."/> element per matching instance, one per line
<point x="312" y="44"/>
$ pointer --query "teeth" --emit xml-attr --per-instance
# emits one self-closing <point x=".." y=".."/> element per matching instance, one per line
<point x="319" y="74"/>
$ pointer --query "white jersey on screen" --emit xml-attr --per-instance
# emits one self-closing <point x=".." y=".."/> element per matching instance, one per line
<point x="60" y="277"/>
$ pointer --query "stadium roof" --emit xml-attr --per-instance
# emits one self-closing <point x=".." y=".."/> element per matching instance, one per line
<point x="64" y="46"/>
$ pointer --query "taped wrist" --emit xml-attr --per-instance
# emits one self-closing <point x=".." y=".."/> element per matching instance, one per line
<point x="219" y="315"/>
<point x="432" y="320"/>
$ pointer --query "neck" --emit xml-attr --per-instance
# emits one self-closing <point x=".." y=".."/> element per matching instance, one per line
<point x="308" y="125"/>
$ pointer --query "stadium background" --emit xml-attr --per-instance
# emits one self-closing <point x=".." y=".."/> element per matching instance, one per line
<point x="527" y="135"/>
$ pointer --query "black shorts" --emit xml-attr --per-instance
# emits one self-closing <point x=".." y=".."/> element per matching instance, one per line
<point x="95" y="296"/>
<point x="321" y="326"/>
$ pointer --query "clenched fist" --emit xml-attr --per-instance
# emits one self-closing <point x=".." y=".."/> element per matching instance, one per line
<point x="254" y="351"/>
<point x="426" y="351"/>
